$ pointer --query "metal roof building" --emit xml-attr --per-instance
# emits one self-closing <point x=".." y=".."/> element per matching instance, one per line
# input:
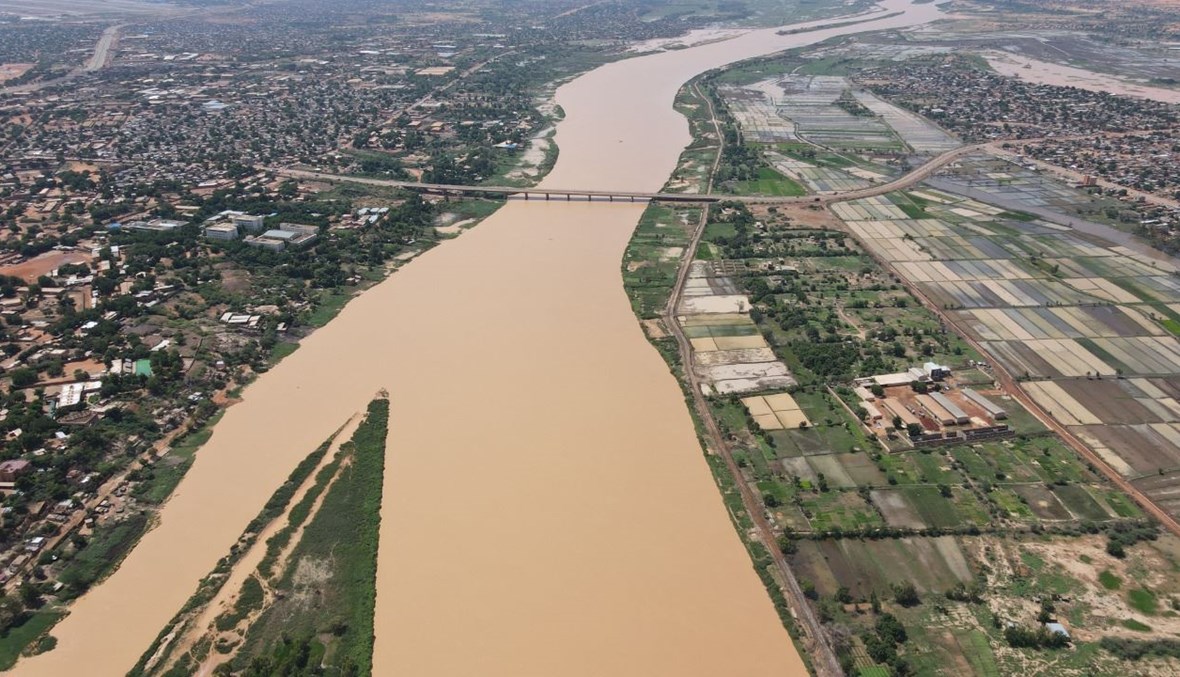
<point x="953" y="409"/>
<point x="994" y="410"/>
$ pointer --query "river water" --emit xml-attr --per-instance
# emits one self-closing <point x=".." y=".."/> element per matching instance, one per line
<point x="1047" y="73"/>
<point x="547" y="509"/>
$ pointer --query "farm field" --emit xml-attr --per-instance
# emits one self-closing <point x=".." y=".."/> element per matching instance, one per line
<point x="821" y="472"/>
<point x="790" y="319"/>
<point x="1088" y="327"/>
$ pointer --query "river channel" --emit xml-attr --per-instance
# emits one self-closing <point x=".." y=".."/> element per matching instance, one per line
<point x="548" y="510"/>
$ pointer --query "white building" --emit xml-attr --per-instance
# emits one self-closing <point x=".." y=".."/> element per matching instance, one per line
<point x="221" y="231"/>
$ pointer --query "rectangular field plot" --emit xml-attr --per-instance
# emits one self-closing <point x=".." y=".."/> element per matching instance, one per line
<point x="862" y="469"/>
<point x="1101" y="288"/>
<point x="1021" y="324"/>
<point x="839" y="510"/>
<point x="938" y="511"/>
<point x="918" y="132"/>
<point x="1047" y="358"/>
<point x="815" y="178"/>
<point x="1060" y="404"/>
<point x="891" y="248"/>
<point x="1113" y="400"/>
<point x="830" y="467"/>
<point x="1012" y="504"/>
<point x="864" y="567"/>
<point x="1146" y="355"/>
<point x="1164" y="490"/>
<point x="1081" y="503"/>
<point x="775" y="412"/>
<point x="997" y="461"/>
<point x="1042" y="502"/>
<point x="1003" y="293"/>
<point x="958" y="247"/>
<point x="869" y="209"/>
<point x="898" y="511"/>
<point x="1139" y="449"/>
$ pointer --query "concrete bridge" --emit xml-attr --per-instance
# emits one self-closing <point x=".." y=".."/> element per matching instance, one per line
<point x="906" y="180"/>
<point x="532" y="193"/>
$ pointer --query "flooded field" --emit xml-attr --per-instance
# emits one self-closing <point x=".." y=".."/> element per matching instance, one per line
<point x="547" y="509"/>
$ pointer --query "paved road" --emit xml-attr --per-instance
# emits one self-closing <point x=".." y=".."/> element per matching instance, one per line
<point x="102" y="50"/>
<point x="915" y="176"/>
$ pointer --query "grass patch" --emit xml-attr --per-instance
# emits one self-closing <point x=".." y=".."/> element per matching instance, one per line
<point x="1143" y="601"/>
<point x="23" y="635"/>
<point x="769" y="182"/>
<point x="913" y="211"/>
<point x="106" y="549"/>
<point x="1109" y="580"/>
<point x="327" y="307"/>
<point x="978" y="653"/>
<point x="1017" y="215"/>
<point x="249" y="599"/>
<point x="282" y="349"/>
<point x="1132" y="624"/>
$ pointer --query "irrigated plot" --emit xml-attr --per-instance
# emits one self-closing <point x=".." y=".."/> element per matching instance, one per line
<point x="839" y="510"/>
<point x="898" y="511"/>
<point x="865" y="567"/>
<point x="1164" y="490"/>
<point x="776" y="412"/>
<point x="1043" y="502"/>
<point x="918" y="132"/>
<point x="1140" y="449"/>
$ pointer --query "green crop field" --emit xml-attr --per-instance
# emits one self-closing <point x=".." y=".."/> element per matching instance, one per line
<point x="770" y="182"/>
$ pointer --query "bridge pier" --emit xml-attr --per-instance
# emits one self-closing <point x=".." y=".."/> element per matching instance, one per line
<point x="526" y="196"/>
<point x="547" y="196"/>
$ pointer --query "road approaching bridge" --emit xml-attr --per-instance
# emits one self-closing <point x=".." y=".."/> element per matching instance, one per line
<point x="916" y="175"/>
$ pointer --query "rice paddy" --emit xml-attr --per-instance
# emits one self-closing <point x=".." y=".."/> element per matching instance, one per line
<point x="730" y="355"/>
<point x="1085" y="322"/>
<point x="776" y="412"/>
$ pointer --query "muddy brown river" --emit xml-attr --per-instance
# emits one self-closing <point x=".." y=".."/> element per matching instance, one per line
<point x="547" y="510"/>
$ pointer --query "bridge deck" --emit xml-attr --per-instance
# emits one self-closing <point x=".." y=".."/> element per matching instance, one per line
<point x="904" y="181"/>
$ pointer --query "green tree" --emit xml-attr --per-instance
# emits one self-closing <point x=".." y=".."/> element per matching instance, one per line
<point x="906" y="594"/>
